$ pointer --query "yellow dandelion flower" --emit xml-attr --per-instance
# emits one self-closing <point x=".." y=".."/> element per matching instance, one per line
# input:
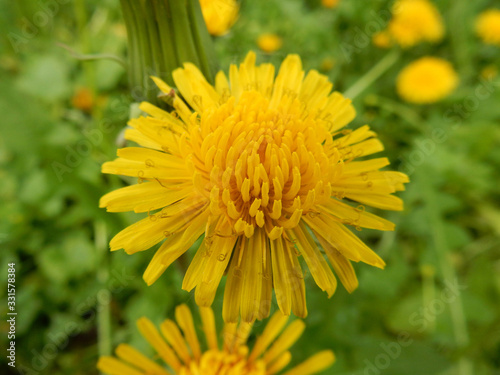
<point x="488" y="26"/>
<point x="269" y="42"/>
<point x="415" y="21"/>
<point x="426" y="80"/>
<point x="382" y="39"/>
<point x="259" y="168"/>
<point x="330" y="3"/>
<point x="177" y="345"/>
<point x="219" y="15"/>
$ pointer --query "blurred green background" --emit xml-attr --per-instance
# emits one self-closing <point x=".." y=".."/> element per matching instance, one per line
<point x="61" y="118"/>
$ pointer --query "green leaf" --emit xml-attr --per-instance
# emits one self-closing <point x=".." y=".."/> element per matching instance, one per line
<point x="35" y="188"/>
<point x="46" y="77"/>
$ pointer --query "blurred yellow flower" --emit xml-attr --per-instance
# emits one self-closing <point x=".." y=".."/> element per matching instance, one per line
<point x="327" y="64"/>
<point x="382" y="39"/>
<point x="415" y="21"/>
<point x="330" y="3"/>
<point x="426" y="80"/>
<point x="219" y="15"/>
<point x="178" y="346"/>
<point x="489" y="72"/>
<point x="269" y="42"/>
<point x="428" y="270"/>
<point x="259" y="168"/>
<point x="488" y="26"/>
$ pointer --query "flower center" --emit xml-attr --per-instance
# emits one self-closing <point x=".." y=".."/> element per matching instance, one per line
<point x="262" y="164"/>
<point x="215" y="362"/>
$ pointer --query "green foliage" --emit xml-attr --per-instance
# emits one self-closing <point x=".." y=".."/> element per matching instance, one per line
<point x="51" y="152"/>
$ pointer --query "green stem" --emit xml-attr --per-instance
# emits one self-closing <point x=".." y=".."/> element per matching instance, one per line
<point x="203" y="40"/>
<point x="184" y="40"/>
<point x="82" y="22"/>
<point x="133" y="45"/>
<point x="166" y="35"/>
<point x="162" y="35"/>
<point x="372" y="75"/>
<point x="428" y="290"/>
<point x="103" y="310"/>
<point x="443" y="253"/>
<point x="153" y="35"/>
<point x="145" y="65"/>
<point x="458" y="13"/>
<point x="98" y="56"/>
